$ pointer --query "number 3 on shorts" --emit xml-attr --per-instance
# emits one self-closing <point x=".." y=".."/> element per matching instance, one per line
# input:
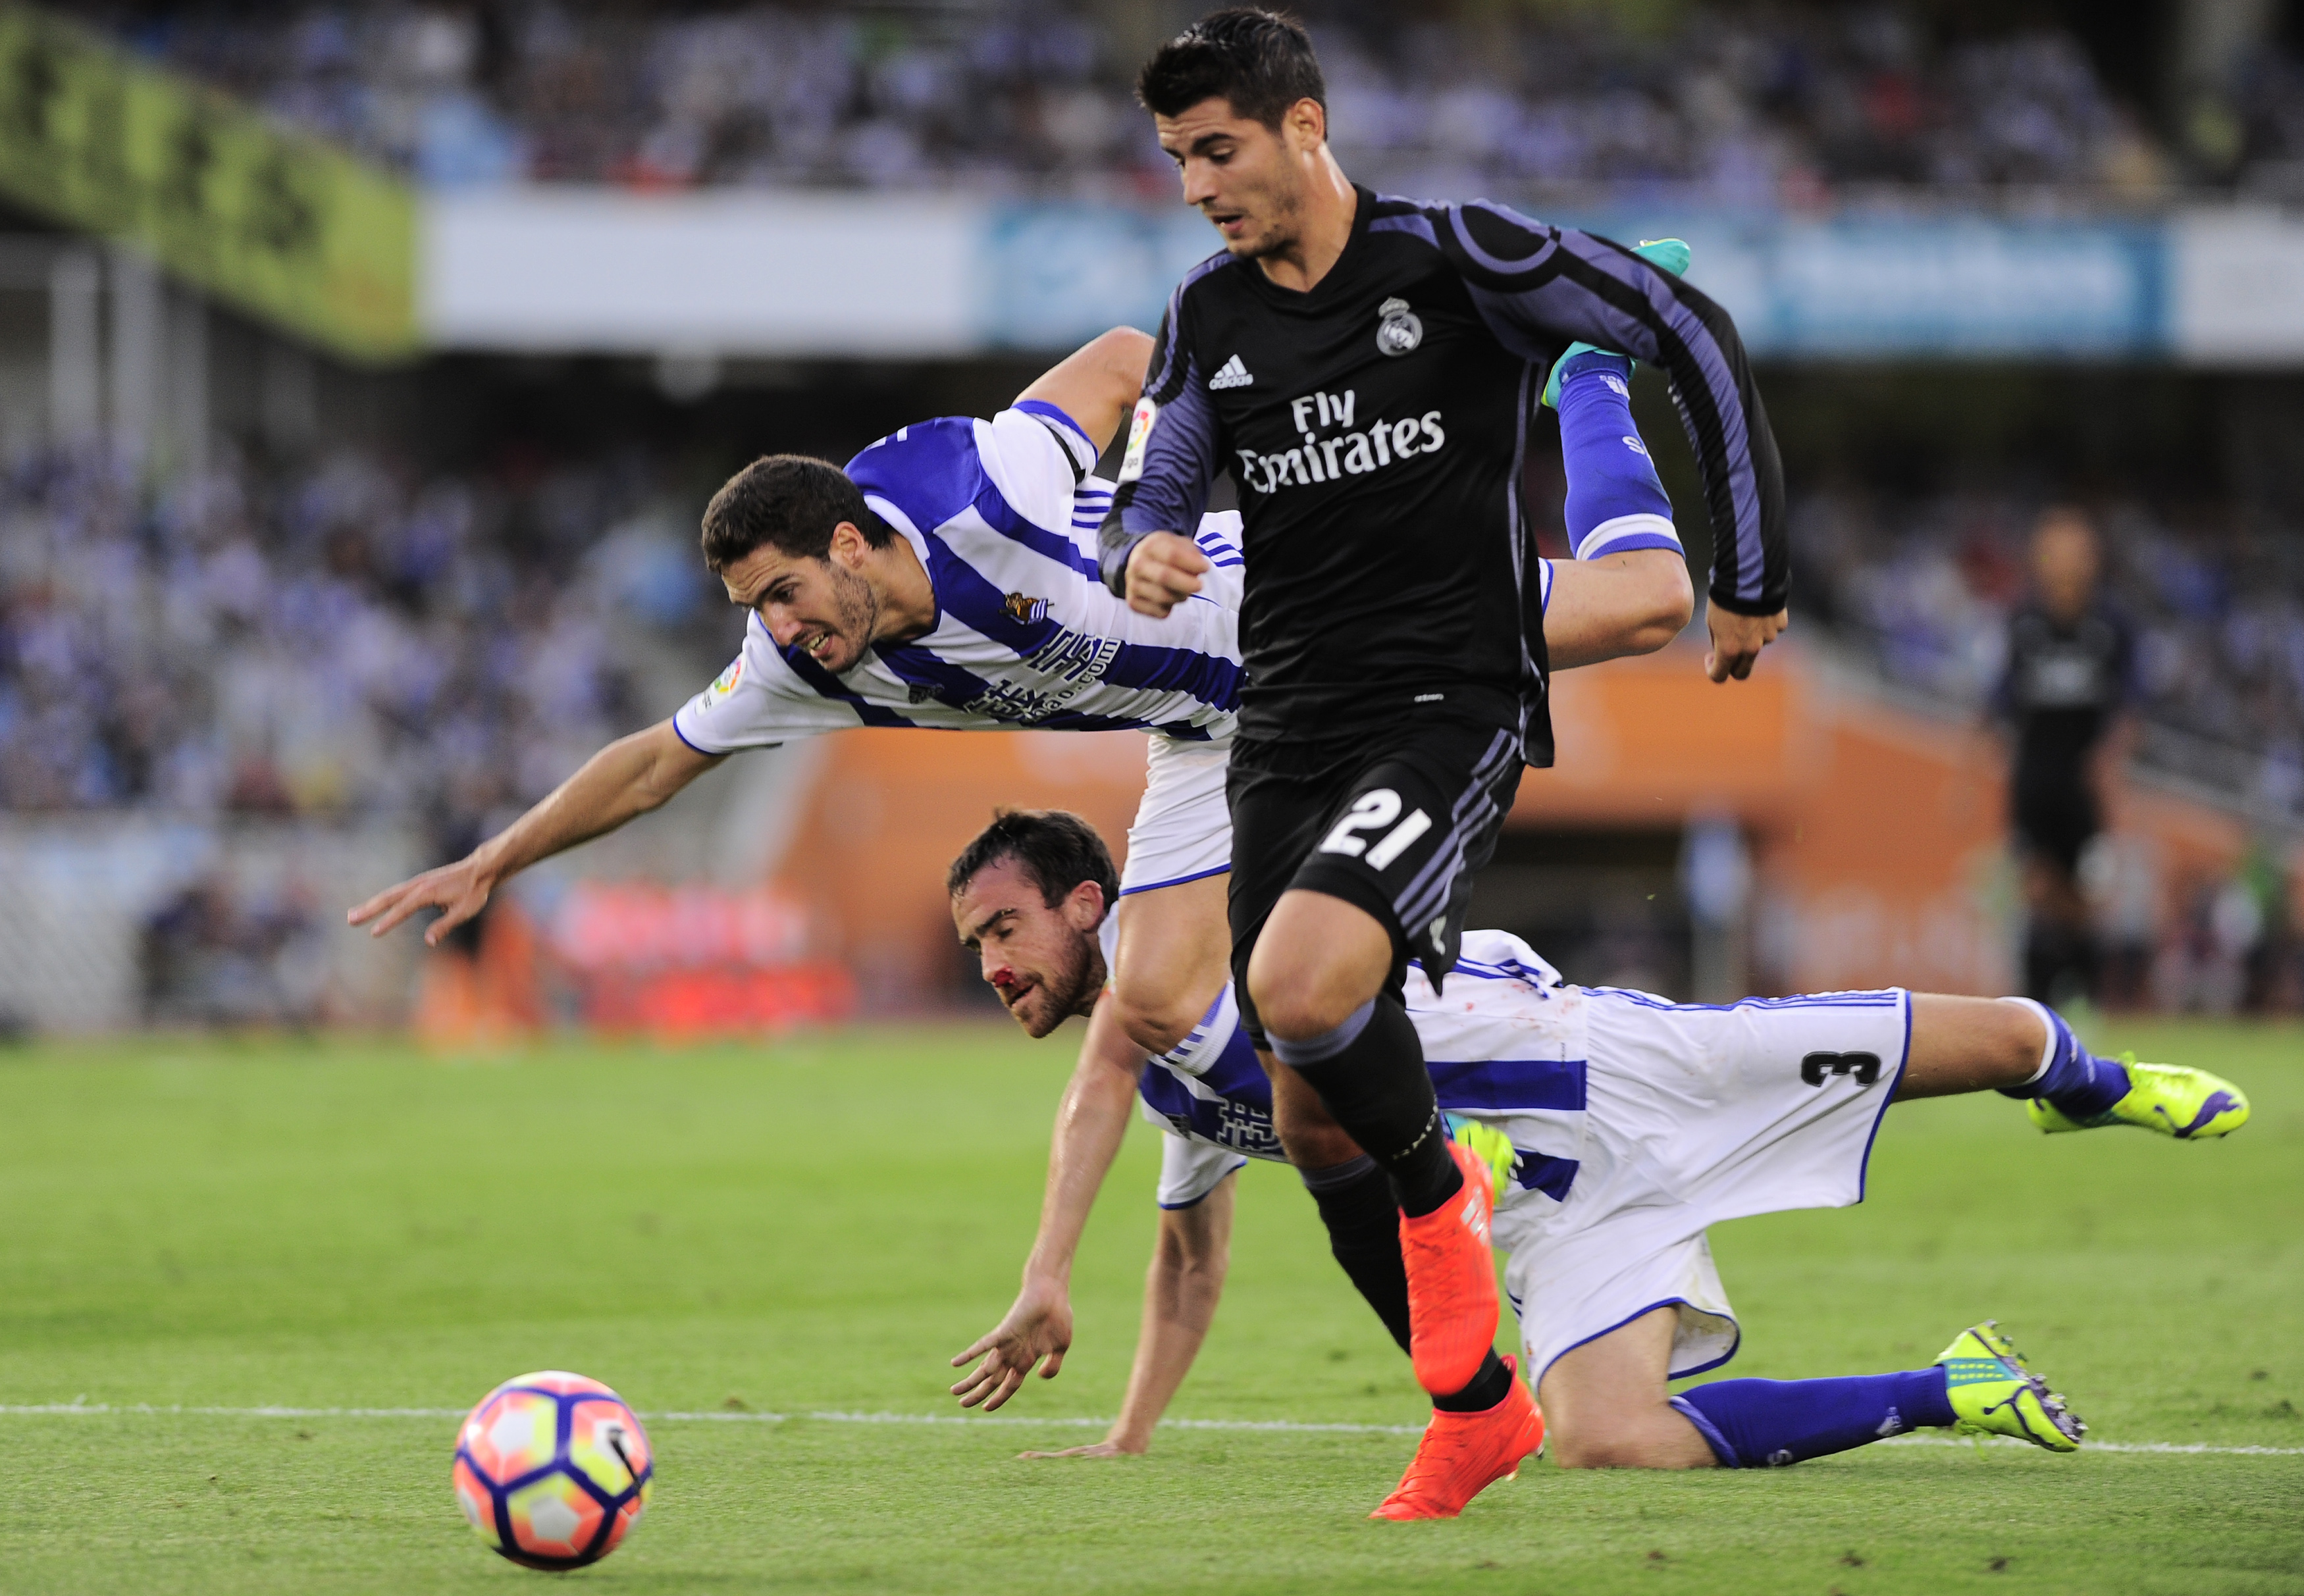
<point x="1373" y="809"/>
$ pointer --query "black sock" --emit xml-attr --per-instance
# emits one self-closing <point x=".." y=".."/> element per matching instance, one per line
<point x="1489" y="1387"/>
<point x="1356" y="1204"/>
<point x="1370" y="1073"/>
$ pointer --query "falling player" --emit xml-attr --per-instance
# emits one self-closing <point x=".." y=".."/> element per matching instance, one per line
<point x="1611" y="1127"/>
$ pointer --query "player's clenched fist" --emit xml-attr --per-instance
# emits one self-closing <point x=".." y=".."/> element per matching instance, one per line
<point x="1737" y="641"/>
<point x="1163" y="571"/>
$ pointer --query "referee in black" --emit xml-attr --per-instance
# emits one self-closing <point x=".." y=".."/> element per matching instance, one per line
<point x="2069" y="683"/>
<point x="1366" y="369"/>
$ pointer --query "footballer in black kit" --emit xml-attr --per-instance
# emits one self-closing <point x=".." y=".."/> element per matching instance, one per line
<point x="2066" y="695"/>
<point x="1376" y="428"/>
<point x="1366" y="369"/>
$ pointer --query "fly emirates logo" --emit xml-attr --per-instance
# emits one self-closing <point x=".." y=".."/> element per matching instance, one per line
<point x="1342" y="452"/>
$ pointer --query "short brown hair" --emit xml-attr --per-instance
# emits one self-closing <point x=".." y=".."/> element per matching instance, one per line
<point x="1260" y="62"/>
<point x="790" y="501"/>
<point x="1056" y="848"/>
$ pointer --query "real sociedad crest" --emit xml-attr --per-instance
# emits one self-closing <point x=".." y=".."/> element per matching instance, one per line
<point x="1031" y="612"/>
<point x="1399" y="333"/>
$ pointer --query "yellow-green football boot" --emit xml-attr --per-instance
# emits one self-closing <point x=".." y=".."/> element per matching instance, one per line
<point x="1493" y="1148"/>
<point x="2188" y="1104"/>
<point x="1994" y="1394"/>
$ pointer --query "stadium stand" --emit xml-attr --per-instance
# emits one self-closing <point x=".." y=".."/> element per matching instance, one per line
<point x="1923" y="586"/>
<point x="331" y="640"/>
<point x="1736" y="106"/>
<point x="285" y="647"/>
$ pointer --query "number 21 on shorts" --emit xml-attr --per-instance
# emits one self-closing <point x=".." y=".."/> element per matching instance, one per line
<point x="1373" y="811"/>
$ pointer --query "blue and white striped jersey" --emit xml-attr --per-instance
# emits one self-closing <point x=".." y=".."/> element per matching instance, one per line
<point x="1003" y="516"/>
<point x="1506" y="1038"/>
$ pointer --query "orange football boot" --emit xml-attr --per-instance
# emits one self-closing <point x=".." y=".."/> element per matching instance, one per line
<point x="1462" y="1454"/>
<point x="1452" y="1281"/>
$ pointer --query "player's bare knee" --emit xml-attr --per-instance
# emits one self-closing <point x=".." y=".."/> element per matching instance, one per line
<point x="1595" y="1448"/>
<point x="1625" y="1441"/>
<point x="1296" y="998"/>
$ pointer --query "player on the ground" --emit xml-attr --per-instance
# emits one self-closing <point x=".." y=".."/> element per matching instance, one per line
<point x="1616" y="1126"/>
<point x="1365" y="369"/>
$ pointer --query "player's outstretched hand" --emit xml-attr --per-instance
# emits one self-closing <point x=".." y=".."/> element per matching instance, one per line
<point x="1040" y="1325"/>
<point x="459" y="891"/>
<point x="1103" y="1448"/>
<point x="1163" y="571"/>
<point x="1737" y="641"/>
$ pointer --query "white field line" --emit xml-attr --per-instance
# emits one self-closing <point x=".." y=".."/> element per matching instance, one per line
<point x="1281" y="1426"/>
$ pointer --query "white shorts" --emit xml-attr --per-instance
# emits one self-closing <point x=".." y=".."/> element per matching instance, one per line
<point x="1692" y="1115"/>
<point x="1191" y="1169"/>
<point x="1183" y="826"/>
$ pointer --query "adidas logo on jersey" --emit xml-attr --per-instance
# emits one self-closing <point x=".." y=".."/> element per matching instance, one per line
<point x="1232" y="373"/>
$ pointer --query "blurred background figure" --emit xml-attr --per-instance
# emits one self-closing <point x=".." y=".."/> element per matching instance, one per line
<point x="2065" y="700"/>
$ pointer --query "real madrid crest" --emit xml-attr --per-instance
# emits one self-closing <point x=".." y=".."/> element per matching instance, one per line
<point x="1399" y="333"/>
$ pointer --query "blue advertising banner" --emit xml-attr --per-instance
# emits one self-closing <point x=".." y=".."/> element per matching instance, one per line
<point x="1957" y="286"/>
<point x="1962" y="287"/>
<point x="1052" y="277"/>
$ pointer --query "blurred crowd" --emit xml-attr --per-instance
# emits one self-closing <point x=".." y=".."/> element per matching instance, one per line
<point x="2216" y="603"/>
<point x="1739" y="105"/>
<point x="336" y="640"/>
<point x="1922" y="591"/>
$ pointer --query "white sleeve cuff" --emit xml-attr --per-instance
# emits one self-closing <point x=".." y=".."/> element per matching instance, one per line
<point x="1645" y="530"/>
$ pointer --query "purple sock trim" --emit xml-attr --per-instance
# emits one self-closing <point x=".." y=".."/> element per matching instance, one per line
<point x="1929" y="1390"/>
<point x="1718" y="1442"/>
<point x="2074" y="1081"/>
<point x="1320" y="1048"/>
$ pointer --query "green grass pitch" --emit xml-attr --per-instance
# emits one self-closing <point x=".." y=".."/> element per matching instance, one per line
<point x="817" y="1224"/>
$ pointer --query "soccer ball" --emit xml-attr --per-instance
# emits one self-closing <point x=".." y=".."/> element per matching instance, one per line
<point x="552" y="1470"/>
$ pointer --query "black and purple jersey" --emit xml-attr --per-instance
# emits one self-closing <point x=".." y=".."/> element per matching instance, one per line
<point x="1376" y="427"/>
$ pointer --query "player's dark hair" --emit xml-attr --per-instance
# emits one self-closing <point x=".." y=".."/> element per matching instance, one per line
<point x="789" y="500"/>
<point x="1056" y="848"/>
<point x="1259" y="61"/>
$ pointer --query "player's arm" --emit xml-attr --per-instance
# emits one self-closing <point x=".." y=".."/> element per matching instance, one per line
<point x="1095" y="383"/>
<point x="630" y="777"/>
<point x="1181" y="1290"/>
<point x="1090" y="1122"/>
<point x="1537" y="286"/>
<point x="1146" y="551"/>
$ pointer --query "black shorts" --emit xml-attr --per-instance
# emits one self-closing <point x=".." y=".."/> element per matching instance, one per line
<point x="1395" y="821"/>
<point x="2054" y="820"/>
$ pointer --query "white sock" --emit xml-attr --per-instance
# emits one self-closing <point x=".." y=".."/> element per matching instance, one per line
<point x="2048" y="1048"/>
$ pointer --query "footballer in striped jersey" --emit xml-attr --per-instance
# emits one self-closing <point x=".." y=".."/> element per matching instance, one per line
<point x="1611" y="1127"/>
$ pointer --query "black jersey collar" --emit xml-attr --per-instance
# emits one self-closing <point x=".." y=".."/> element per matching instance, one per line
<point x="1363" y="211"/>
